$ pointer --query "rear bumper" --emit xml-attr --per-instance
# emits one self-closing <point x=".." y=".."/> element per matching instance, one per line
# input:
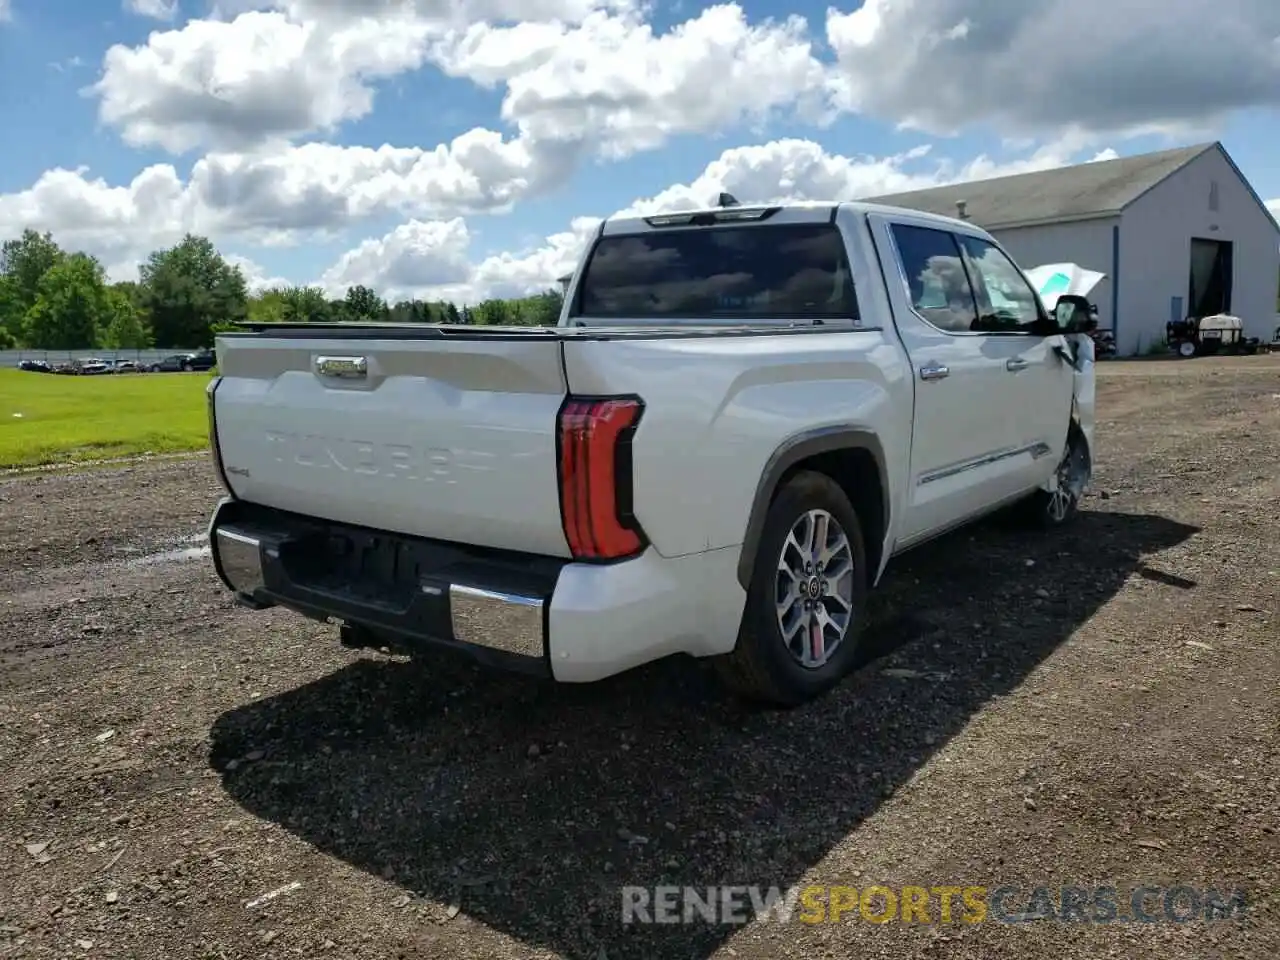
<point x="570" y="621"/>
<point x="403" y="591"/>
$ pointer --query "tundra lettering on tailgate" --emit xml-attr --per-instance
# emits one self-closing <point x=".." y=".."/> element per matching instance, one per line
<point x="364" y="457"/>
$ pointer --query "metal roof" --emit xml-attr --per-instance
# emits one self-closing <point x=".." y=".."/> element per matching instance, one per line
<point x="1080" y="192"/>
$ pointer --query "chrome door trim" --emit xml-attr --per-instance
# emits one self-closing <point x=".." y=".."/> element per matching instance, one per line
<point x="1036" y="451"/>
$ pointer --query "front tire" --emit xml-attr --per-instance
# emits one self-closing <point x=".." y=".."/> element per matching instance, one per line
<point x="1050" y="509"/>
<point x="806" y="606"/>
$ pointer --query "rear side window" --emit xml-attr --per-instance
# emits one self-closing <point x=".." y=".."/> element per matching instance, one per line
<point x="756" y="272"/>
<point x="937" y="277"/>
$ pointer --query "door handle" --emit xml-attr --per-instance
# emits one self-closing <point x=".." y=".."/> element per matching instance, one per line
<point x="1015" y="364"/>
<point x="347" y="368"/>
<point x="934" y="371"/>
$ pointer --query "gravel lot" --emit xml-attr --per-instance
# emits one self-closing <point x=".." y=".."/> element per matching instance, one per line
<point x="1096" y="708"/>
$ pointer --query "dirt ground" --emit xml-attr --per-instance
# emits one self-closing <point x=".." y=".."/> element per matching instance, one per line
<point x="1101" y="707"/>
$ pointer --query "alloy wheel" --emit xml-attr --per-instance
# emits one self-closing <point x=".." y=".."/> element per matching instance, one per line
<point x="814" y="592"/>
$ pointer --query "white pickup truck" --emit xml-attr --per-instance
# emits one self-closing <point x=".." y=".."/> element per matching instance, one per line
<point x="742" y="415"/>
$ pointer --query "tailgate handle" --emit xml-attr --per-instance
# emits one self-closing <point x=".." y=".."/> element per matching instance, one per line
<point x="345" y="368"/>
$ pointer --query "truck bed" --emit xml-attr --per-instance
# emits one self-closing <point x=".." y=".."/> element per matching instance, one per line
<point x="457" y="433"/>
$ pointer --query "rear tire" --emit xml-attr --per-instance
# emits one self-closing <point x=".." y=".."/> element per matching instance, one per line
<point x="763" y="666"/>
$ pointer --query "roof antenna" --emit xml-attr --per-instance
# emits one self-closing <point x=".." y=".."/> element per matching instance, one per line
<point x="727" y="200"/>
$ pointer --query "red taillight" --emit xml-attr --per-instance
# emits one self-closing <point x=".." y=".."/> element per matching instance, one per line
<point x="595" y="477"/>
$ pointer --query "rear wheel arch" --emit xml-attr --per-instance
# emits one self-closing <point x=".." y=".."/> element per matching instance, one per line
<point x="851" y="456"/>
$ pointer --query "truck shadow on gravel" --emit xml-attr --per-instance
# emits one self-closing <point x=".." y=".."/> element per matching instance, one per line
<point x="529" y="806"/>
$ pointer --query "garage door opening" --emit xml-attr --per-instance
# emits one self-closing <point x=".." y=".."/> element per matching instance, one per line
<point x="1209" y="282"/>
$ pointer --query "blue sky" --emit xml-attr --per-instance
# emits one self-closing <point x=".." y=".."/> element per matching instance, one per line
<point x="258" y="122"/>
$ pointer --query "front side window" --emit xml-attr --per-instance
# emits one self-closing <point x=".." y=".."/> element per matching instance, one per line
<point x="1006" y="302"/>
<point x="747" y="272"/>
<point x="937" y="279"/>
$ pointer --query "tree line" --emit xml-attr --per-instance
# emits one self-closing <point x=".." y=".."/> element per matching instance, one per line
<point x="54" y="299"/>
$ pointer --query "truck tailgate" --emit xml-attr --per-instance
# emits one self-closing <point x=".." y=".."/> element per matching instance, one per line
<point x="449" y="439"/>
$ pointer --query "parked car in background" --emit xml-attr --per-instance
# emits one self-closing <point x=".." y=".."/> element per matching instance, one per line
<point x="203" y="360"/>
<point x="171" y="363"/>
<point x="36" y="366"/>
<point x="90" y="366"/>
<point x="124" y="366"/>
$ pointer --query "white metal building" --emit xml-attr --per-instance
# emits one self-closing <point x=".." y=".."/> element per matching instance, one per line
<point x="1179" y="233"/>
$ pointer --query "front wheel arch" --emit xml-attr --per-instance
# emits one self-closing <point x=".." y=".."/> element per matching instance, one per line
<point x="1076" y="434"/>
<point x="1035" y="508"/>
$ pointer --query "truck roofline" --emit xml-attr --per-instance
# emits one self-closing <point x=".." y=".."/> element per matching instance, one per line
<point x="808" y="211"/>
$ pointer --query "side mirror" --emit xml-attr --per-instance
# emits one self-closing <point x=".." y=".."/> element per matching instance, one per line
<point x="1075" y="314"/>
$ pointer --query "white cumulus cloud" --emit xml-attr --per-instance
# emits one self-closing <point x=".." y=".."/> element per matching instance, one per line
<point x="256" y="278"/>
<point x="261" y="76"/>
<point x="1046" y="65"/>
<point x="244" y="86"/>
<point x="273" y="197"/>
<point x="622" y="86"/>
<point x="243" y="90"/>
<point x="415" y="255"/>
<point x="435" y="263"/>
<point x="155" y="9"/>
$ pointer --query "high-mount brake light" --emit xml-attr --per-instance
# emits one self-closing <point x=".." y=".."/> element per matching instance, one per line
<point x="707" y="218"/>
<point x="594" y="438"/>
<point x="670" y="220"/>
<point x="742" y="215"/>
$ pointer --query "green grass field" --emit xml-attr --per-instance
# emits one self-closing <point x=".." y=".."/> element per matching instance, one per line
<point x="48" y="419"/>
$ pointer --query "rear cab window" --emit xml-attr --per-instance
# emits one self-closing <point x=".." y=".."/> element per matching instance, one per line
<point x="937" y="277"/>
<point x="959" y="283"/>
<point x="744" y="272"/>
